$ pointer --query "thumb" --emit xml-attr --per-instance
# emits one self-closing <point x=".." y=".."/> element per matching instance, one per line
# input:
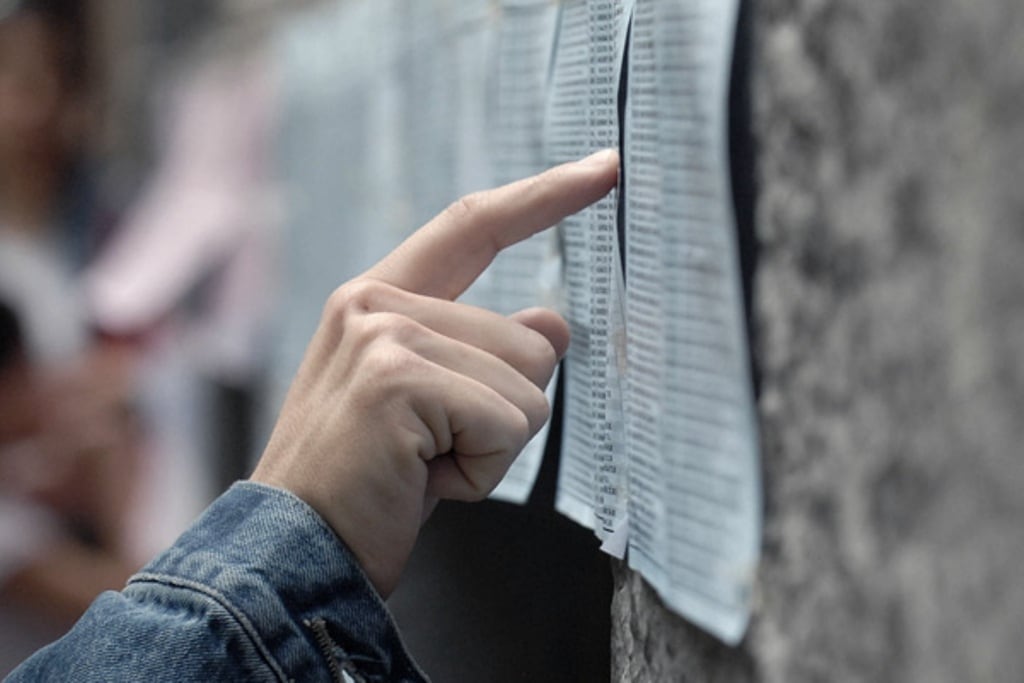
<point x="548" y="323"/>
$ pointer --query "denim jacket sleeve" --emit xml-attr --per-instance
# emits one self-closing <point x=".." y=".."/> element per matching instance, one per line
<point x="258" y="589"/>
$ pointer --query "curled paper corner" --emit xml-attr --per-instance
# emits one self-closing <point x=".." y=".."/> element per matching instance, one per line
<point x="616" y="542"/>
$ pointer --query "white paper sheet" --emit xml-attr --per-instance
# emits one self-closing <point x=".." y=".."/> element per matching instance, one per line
<point x="699" y="546"/>
<point x="645" y="304"/>
<point x="582" y="118"/>
<point x="526" y="274"/>
<point x="608" y="22"/>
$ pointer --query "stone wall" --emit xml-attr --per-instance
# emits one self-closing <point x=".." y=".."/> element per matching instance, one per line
<point x="889" y="309"/>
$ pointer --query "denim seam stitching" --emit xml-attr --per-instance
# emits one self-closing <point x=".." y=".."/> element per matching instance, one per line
<point x="308" y="512"/>
<point x="247" y="626"/>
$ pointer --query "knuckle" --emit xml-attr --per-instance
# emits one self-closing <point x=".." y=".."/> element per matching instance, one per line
<point x="537" y="358"/>
<point x="389" y="349"/>
<point x="336" y="311"/>
<point x="400" y="330"/>
<point x="536" y="411"/>
<point x="362" y="295"/>
<point x="543" y="352"/>
<point x="392" y="330"/>
<point x="518" y="431"/>
<point x="339" y="309"/>
<point x="365" y="293"/>
<point x="391" y="365"/>
<point x="478" y="491"/>
<point x="467" y="207"/>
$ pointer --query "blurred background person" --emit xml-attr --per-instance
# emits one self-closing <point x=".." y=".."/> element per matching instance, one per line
<point x="48" y="217"/>
<point x="158" y="314"/>
<point x="67" y="467"/>
<point x="68" y="442"/>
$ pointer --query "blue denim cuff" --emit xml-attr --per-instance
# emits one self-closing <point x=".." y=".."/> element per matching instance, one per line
<point x="291" y="583"/>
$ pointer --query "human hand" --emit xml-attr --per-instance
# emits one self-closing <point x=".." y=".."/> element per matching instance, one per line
<point x="404" y="395"/>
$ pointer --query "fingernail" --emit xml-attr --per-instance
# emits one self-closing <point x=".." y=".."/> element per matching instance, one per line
<point x="602" y="158"/>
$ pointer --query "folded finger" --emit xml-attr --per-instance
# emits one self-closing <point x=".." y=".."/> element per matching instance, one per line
<point x="489" y="371"/>
<point x="532" y="345"/>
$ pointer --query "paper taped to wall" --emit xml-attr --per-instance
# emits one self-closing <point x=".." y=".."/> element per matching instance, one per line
<point x="396" y="108"/>
<point x="693" y="458"/>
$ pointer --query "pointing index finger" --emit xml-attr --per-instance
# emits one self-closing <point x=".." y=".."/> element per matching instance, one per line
<point x="445" y="256"/>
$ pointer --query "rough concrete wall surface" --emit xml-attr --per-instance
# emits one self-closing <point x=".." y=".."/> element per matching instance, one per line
<point x="889" y="307"/>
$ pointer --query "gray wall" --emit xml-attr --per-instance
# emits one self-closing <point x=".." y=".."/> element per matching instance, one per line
<point x="889" y="304"/>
